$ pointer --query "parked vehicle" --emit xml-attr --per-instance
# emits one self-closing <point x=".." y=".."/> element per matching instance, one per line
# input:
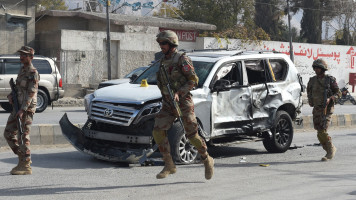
<point x="346" y="96"/>
<point x="240" y="96"/>
<point x="49" y="87"/>
<point x="130" y="76"/>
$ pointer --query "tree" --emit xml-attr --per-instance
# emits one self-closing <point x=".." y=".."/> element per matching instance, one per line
<point x="314" y="13"/>
<point x="233" y="18"/>
<point x="223" y="13"/>
<point x="268" y="16"/>
<point x="345" y="25"/>
<point x="53" y="4"/>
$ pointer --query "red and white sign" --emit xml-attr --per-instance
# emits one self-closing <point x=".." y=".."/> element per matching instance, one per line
<point x="184" y="35"/>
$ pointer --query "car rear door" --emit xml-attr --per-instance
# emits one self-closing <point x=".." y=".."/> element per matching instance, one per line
<point x="231" y="100"/>
<point x="266" y="94"/>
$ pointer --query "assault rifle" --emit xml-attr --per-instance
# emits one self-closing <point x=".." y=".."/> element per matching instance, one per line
<point x="168" y="86"/>
<point x="326" y="103"/>
<point x="16" y="106"/>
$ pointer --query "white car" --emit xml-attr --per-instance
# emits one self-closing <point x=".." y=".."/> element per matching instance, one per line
<point x="130" y="76"/>
<point x="240" y="96"/>
<point x="49" y="87"/>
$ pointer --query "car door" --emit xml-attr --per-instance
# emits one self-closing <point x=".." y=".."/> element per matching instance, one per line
<point x="264" y="91"/>
<point x="231" y="100"/>
<point x="11" y="69"/>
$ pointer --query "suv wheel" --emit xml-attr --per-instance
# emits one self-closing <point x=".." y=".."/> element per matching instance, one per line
<point x="42" y="101"/>
<point x="182" y="150"/>
<point x="282" y="134"/>
<point x="6" y="106"/>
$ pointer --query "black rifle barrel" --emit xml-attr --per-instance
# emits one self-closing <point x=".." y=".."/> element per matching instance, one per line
<point x="16" y="106"/>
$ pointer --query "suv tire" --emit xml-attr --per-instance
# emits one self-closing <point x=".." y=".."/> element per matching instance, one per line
<point x="6" y="106"/>
<point x="42" y="101"/>
<point x="282" y="134"/>
<point x="182" y="151"/>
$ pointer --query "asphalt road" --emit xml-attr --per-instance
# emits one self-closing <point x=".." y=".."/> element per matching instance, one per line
<point x="78" y="115"/>
<point x="64" y="173"/>
<point x="49" y="116"/>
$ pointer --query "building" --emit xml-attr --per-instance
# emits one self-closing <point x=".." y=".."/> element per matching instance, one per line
<point x="78" y="41"/>
<point x="17" y="25"/>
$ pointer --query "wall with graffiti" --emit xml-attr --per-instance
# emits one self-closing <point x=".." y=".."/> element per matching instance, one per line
<point x="340" y="59"/>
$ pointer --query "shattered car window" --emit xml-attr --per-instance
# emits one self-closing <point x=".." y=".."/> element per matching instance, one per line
<point x="258" y="72"/>
<point x="202" y="69"/>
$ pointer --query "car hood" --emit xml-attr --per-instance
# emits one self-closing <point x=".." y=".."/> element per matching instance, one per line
<point x="127" y="93"/>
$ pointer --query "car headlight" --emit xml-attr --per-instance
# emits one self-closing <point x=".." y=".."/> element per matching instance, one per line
<point x="87" y="100"/>
<point x="148" y="110"/>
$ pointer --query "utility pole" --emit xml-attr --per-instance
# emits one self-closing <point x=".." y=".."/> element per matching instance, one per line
<point x="108" y="38"/>
<point x="291" y="53"/>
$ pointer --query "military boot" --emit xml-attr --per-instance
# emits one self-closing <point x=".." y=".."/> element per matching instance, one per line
<point x="209" y="167"/>
<point x="23" y="167"/>
<point x="330" y="151"/>
<point x="169" y="166"/>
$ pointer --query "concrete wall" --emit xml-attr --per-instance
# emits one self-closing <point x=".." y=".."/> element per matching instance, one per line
<point x="14" y="34"/>
<point x="83" y="58"/>
<point x="340" y="59"/>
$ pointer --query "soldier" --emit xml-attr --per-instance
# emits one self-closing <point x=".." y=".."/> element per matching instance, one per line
<point x="27" y="87"/>
<point x="183" y="79"/>
<point x="322" y="91"/>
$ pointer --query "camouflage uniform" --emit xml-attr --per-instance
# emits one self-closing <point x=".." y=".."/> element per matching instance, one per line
<point x="27" y="87"/>
<point x="183" y="79"/>
<point x="321" y="117"/>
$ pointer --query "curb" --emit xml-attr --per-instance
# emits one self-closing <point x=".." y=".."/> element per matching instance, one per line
<point x="51" y="134"/>
<point x="342" y="121"/>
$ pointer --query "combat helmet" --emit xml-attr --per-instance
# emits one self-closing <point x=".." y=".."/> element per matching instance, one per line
<point x="169" y="36"/>
<point x="320" y="63"/>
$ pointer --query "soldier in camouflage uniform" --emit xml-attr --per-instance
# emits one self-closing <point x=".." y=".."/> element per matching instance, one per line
<point x="27" y="87"/>
<point x="322" y="91"/>
<point x="183" y="78"/>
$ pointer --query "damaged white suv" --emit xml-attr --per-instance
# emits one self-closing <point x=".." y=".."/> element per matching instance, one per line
<point x="240" y="96"/>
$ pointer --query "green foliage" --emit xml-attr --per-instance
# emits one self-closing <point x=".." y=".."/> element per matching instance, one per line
<point x="239" y="32"/>
<point x="53" y="4"/>
<point x="233" y="18"/>
<point x="222" y="13"/>
<point x="314" y="13"/>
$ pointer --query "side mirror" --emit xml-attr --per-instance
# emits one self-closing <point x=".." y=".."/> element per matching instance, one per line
<point x="221" y="85"/>
<point x="133" y="77"/>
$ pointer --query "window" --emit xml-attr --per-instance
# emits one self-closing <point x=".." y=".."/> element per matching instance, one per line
<point x="42" y="66"/>
<point x="231" y="72"/>
<point x="12" y="67"/>
<point x="279" y="68"/>
<point x="258" y="72"/>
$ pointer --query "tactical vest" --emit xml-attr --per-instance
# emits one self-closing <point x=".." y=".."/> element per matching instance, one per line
<point x="174" y="71"/>
<point x="318" y="89"/>
<point x="24" y="77"/>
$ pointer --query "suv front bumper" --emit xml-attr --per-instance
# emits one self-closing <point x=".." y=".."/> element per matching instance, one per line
<point x="82" y="140"/>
